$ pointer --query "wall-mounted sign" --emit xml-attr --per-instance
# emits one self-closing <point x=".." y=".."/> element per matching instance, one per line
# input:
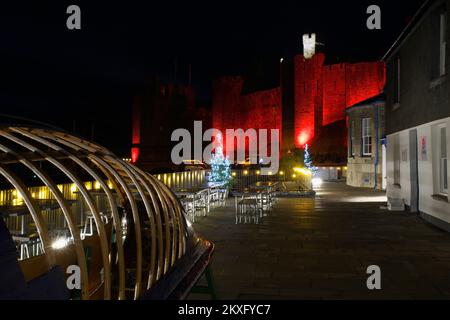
<point x="423" y="148"/>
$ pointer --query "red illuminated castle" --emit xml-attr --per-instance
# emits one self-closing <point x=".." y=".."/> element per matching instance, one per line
<point x="307" y="108"/>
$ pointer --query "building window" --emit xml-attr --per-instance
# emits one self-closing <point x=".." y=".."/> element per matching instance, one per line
<point x="442" y="41"/>
<point x="439" y="42"/>
<point x="352" y="138"/>
<point x="396" y="147"/>
<point x="443" y="168"/>
<point x="397" y="74"/>
<point x="366" y="136"/>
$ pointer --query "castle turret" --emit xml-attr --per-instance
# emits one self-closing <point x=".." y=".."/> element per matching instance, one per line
<point x="309" y="45"/>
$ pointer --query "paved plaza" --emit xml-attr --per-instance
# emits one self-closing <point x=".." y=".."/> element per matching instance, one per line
<point x="320" y="249"/>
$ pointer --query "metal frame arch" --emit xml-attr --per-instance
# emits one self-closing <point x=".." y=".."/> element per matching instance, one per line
<point x="135" y="214"/>
<point x="68" y="215"/>
<point x="78" y="148"/>
<point x="156" y="224"/>
<point x="111" y="201"/>
<point x="181" y="216"/>
<point x="167" y="227"/>
<point x="92" y="147"/>
<point x="161" y="189"/>
<point x="176" y="204"/>
<point x="141" y="192"/>
<point x="93" y="156"/>
<point x="108" y="157"/>
<point x="167" y="207"/>
<point x="34" y="211"/>
<point x="88" y="199"/>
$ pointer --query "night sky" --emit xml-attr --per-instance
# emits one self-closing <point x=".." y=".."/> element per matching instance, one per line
<point x="62" y="77"/>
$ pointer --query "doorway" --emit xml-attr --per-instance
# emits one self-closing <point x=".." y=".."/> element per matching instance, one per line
<point x="414" y="171"/>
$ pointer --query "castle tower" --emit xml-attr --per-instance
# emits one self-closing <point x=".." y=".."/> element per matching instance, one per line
<point x="309" y="45"/>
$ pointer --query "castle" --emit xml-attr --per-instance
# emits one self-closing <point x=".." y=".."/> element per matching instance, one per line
<point x="308" y="107"/>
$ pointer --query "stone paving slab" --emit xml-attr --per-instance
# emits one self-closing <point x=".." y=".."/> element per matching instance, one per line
<point x="320" y="249"/>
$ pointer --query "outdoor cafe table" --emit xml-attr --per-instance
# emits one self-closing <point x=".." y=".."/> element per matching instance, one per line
<point x="192" y="193"/>
<point x="245" y="194"/>
<point x="268" y="187"/>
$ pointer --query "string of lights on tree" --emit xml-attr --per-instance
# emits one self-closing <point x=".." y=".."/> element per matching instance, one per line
<point x="220" y="165"/>
<point x="308" y="160"/>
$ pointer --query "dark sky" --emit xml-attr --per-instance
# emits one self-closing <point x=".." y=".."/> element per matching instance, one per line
<point x="52" y="74"/>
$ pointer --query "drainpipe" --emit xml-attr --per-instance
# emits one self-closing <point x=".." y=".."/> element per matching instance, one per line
<point x="377" y="155"/>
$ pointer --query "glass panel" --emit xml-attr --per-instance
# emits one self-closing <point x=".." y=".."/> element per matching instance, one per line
<point x="366" y="136"/>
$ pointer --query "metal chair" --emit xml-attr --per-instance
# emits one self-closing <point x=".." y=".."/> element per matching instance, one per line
<point x="88" y="224"/>
<point x="189" y="208"/>
<point x="201" y="200"/>
<point x="249" y="210"/>
<point x="214" y="197"/>
<point x="223" y="196"/>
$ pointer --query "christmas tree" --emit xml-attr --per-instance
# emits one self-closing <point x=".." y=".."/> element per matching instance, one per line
<point x="220" y="165"/>
<point x="308" y="160"/>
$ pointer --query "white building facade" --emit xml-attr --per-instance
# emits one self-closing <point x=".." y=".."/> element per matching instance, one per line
<point x="417" y="170"/>
<point x="418" y="117"/>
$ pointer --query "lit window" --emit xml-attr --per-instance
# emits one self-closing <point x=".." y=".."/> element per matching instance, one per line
<point x="366" y="136"/>
<point x="439" y="42"/>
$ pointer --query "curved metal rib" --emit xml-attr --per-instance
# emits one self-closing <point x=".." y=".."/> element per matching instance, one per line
<point x="34" y="211"/>
<point x="109" y="195"/>
<point x="107" y="191"/>
<point x="167" y="231"/>
<point x="68" y="215"/>
<point x="156" y="228"/>
<point x="134" y="211"/>
<point x="88" y="199"/>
